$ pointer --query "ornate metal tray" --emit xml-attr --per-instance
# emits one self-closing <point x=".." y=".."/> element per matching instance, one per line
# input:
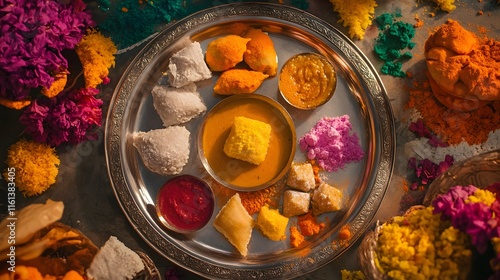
<point x="359" y="94"/>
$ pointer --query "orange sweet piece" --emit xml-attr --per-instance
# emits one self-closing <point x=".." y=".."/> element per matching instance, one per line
<point x="225" y="52"/>
<point x="239" y="81"/>
<point x="261" y="54"/>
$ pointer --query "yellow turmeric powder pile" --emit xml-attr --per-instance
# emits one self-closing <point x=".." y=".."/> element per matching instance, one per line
<point x="96" y="54"/>
<point x="356" y="15"/>
<point x="32" y="166"/>
<point x="453" y="127"/>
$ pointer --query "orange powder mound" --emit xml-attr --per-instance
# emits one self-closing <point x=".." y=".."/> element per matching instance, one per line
<point x="451" y="126"/>
<point x="253" y="201"/>
<point x="308" y="224"/>
<point x="296" y="238"/>
<point x="345" y="233"/>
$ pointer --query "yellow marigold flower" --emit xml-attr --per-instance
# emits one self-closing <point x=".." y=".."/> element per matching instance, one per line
<point x="57" y="86"/>
<point x="483" y="196"/>
<point x="36" y="166"/>
<point x="356" y="15"/>
<point x="419" y="245"/>
<point x="14" y="104"/>
<point x="352" y="275"/>
<point x="96" y="54"/>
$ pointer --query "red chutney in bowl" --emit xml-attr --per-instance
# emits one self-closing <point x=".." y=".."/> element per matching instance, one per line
<point x="185" y="203"/>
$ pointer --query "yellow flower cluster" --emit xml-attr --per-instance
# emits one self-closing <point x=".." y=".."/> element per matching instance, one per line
<point x="356" y="15"/>
<point x="482" y="196"/>
<point x="419" y="245"/>
<point x="96" y="54"/>
<point x="35" y="164"/>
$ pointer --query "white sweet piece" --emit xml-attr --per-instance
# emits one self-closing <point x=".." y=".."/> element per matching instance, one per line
<point x="177" y="105"/>
<point x="295" y="203"/>
<point x="326" y="198"/>
<point x="115" y="261"/>
<point x="301" y="177"/>
<point x="188" y="66"/>
<point x="164" y="151"/>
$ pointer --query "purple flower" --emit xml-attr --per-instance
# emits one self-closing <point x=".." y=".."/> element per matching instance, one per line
<point x="426" y="171"/>
<point x="480" y="221"/>
<point x="32" y="35"/>
<point x="421" y="130"/>
<point x="65" y="118"/>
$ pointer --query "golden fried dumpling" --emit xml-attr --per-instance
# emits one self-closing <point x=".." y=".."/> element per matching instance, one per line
<point x="239" y="81"/>
<point x="225" y="52"/>
<point x="234" y="222"/>
<point x="261" y="54"/>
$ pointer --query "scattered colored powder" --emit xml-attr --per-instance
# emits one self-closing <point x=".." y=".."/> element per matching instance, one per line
<point x="309" y="225"/>
<point x="394" y="37"/>
<point x="130" y="21"/>
<point x="453" y="127"/>
<point x="32" y="166"/>
<point x="352" y="275"/>
<point x="356" y="15"/>
<point x="345" y="233"/>
<point x="446" y="5"/>
<point x="330" y="143"/>
<point x="296" y="238"/>
<point x="419" y="22"/>
<point x="253" y="201"/>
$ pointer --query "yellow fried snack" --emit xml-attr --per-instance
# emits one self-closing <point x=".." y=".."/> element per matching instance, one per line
<point x="225" y="52"/>
<point x="239" y="81"/>
<point x="261" y="54"/>
<point x="248" y="140"/>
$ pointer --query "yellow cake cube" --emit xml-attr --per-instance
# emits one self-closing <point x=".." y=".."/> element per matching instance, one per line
<point x="295" y="203"/>
<point x="326" y="198"/>
<point x="272" y="224"/>
<point x="248" y="140"/>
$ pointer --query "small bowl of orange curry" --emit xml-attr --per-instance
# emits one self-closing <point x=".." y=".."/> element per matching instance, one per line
<point x="307" y="80"/>
<point x="246" y="142"/>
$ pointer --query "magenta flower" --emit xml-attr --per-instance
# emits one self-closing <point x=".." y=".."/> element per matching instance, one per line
<point x="32" y="35"/>
<point x="421" y="130"/>
<point x="426" y="171"/>
<point x="65" y="118"/>
<point x="478" y="220"/>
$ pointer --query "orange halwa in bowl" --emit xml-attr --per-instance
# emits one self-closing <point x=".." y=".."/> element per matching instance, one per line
<point x="239" y="173"/>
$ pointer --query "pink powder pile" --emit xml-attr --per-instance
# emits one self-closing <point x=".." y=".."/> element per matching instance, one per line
<point x="330" y="144"/>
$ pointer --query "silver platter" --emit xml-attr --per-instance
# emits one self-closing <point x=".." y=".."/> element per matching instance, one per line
<point x="359" y="94"/>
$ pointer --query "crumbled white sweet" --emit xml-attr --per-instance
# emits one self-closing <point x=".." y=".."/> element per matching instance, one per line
<point x="115" y="261"/>
<point x="177" y="105"/>
<point x="188" y="66"/>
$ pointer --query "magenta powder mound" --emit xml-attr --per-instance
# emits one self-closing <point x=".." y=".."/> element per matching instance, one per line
<point x="331" y="144"/>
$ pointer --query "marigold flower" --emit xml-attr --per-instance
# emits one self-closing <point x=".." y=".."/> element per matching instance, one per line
<point x="36" y="166"/>
<point x="96" y="54"/>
